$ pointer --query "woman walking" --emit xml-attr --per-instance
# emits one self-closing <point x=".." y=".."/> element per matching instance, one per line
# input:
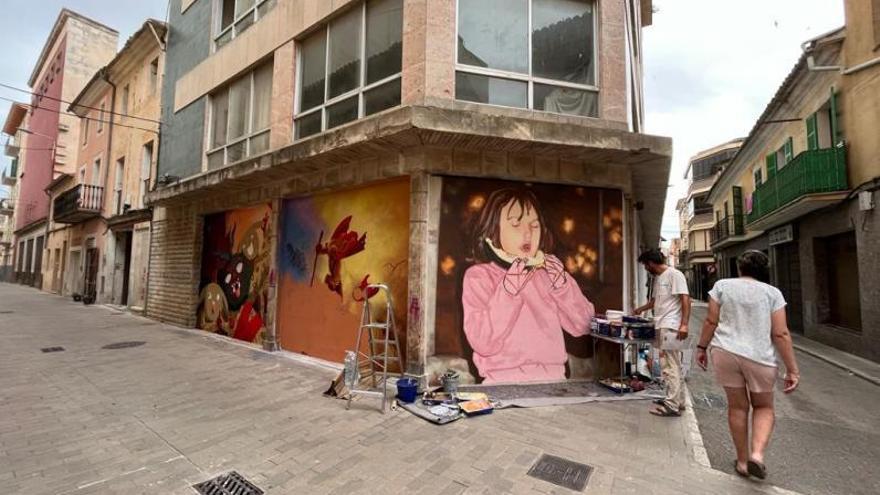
<point x="744" y="332"/>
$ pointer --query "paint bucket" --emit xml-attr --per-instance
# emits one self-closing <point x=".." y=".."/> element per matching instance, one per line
<point x="407" y="389"/>
<point x="450" y="382"/>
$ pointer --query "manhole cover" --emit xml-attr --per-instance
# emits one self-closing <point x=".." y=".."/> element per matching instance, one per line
<point x="562" y="472"/>
<point x="124" y="345"/>
<point x="52" y="349"/>
<point x="230" y="483"/>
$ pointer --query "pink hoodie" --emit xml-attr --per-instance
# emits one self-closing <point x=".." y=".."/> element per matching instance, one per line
<point x="519" y="337"/>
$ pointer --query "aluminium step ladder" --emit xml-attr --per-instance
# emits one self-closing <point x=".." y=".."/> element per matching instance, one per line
<point x="376" y="362"/>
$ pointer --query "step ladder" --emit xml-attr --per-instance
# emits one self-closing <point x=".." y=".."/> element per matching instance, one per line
<point x="381" y="338"/>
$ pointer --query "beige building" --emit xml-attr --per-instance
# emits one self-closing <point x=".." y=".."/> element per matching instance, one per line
<point x="696" y="219"/>
<point x="807" y="177"/>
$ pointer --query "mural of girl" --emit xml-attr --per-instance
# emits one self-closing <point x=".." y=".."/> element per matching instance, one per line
<point x="518" y="299"/>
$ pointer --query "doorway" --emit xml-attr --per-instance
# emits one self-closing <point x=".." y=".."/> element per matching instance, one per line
<point x="74" y="275"/>
<point x="122" y="267"/>
<point x="842" y="276"/>
<point x="90" y="289"/>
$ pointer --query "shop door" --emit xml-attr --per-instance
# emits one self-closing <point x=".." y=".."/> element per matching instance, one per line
<point x="788" y="279"/>
<point x="38" y="264"/>
<point x="844" y="299"/>
<point x="74" y="275"/>
<point x="90" y="290"/>
<point x="126" y="267"/>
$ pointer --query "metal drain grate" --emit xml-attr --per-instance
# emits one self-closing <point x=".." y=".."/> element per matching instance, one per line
<point x="124" y="345"/>
<point x="52" y="349"/>
<point x="230" y="483"/>
<point x="6" y="312"/>
<point x="562" y="472"/>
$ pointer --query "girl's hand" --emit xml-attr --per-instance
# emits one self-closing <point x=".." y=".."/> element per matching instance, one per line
<point x="556" y="271"/>
<point x="791" y="382"/>
<point x="702" y="359"/>
<point x="516" y="277"/>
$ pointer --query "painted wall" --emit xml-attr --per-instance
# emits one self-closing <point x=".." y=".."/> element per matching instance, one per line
<point x="234" y="285"/>
<point x="515" y="323"/>
<point x="331" y="246"/>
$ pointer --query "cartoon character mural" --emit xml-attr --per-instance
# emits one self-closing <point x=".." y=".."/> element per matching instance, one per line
<point x="517" y="287"/>
<point x="323" y="278"/>
<point x="235" y="273"/>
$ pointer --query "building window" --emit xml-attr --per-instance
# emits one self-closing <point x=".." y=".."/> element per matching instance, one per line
<point x="101" y="118"/>
<point x="146" y="171"/>
<point x="123" y="104"/>
<point x="119" y="180"/>
<point x="96" y="173"/>
<point x="350" y="68"/>
<point x="85" y="131"/>
<point x="154" y="75"/>
<point x="235" y="16"/>
<point x="239" y="122"/>
<point x="535" y="54"/>
<point x="758" y="174"/>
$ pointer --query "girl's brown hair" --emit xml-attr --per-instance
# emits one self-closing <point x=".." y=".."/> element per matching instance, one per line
<point x="488" y="224"/>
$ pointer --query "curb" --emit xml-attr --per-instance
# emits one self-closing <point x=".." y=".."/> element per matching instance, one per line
<point x="693" y="437"/>
<point x="818" y="355"/>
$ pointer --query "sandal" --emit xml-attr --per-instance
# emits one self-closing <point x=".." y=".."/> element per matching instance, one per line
<point x="757" y="469"/>
<point x="665" y="411"/>
<point x="745" y="474"/>
<point x="661" y="402"/>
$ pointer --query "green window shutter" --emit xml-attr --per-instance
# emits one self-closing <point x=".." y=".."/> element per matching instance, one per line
<point x="771" y="165"/>
<point x="788" y="150"/>
<point x="737" y="210"/>
<point x="835" y="127"/>
<point x="812" y="134"/>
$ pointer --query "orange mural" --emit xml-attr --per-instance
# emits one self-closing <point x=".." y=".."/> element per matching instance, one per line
<point x="332" y="246"/>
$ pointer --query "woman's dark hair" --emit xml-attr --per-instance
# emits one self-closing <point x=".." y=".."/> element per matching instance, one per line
<point x="754" y="264"/>
<point x="488" y="224"/>
<point x="653" y="256"/>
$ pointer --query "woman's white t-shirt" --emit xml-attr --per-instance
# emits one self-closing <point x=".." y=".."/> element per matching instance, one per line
<point x="744" y="324"/>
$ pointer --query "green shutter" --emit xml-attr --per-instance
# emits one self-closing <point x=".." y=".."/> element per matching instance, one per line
<point x="835" y="127"/>
<point x="737" y="211"/>
<point x="771" y="165"/>
<point x="812" y="134"/>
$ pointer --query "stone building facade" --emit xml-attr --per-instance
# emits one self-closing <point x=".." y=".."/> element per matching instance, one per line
<point x="319" y="147"/>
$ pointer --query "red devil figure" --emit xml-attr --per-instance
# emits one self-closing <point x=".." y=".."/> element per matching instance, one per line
<point x="342" y="244"/>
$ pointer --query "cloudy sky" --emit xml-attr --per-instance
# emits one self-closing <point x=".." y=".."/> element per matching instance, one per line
<point x="711" y="67"/>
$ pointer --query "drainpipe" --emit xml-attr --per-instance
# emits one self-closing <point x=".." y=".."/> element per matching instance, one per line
<point x="865" y="65"/>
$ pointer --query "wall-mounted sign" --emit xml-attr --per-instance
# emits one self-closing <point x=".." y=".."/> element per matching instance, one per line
<point x="781" y="235"/>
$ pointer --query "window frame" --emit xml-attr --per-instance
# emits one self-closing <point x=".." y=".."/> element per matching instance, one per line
<point x="529" y="79"/>
<point x="101" y="115"/>
<point x="359" y="91"/>
<point x="217" y="31"/>
<point x="248" y="136"/>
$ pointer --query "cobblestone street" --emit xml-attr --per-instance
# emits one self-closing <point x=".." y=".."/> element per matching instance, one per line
<point x="185" y="406"/>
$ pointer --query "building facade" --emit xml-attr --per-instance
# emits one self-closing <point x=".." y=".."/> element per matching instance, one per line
<point x="809" y="184"/>
<point x="76" y="47"/>
<point x="16" y="119"/>
<point x="104" y="223"/>
<point x="696" y="217"/>
<point x="318" y="147"/>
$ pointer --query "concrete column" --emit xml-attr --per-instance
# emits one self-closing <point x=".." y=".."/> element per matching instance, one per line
<point x="428" y="51"/>
<point x="612" y="61"/>
<point x="270" y="339"/>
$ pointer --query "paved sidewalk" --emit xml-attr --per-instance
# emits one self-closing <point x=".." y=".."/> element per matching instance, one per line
<point x="186" y="406"/>
<point x="860" y="367"/>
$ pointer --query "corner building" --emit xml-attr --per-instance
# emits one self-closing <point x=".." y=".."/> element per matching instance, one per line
<point x="311" y="148"/>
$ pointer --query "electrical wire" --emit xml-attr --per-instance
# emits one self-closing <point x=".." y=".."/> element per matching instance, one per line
<point x="87" y="118"/>
<point x="7" y="86"/>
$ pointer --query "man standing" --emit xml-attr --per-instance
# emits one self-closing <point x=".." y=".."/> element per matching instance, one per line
<point x="672" y="309"/>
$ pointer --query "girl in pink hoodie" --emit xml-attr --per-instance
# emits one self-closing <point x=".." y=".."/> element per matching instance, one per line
<point x="519" y="300"/>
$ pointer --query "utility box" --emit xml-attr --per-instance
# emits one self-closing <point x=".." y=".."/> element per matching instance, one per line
<point x="866" y="200"/>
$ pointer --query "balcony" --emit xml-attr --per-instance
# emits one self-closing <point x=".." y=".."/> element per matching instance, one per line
<point x="10" y="178"/>
<point x="78" y="204"/>
<point x="728" y="230"/>
<point x="812" y="180"/>
<point x="7" y="207"/>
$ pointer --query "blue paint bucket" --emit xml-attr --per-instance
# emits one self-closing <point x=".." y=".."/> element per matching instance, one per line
<point x="407" y="389"/>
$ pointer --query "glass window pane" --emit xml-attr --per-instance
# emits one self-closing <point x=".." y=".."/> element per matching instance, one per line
<point x="342" y="112"/>
<point x="494" y="33"/>
<point x="219" y="116"/>
<point x="314" y="51"/>
<point x="384" y="38"/>
<point x="227" y="14"/>
<point x="244" y="23"/>
<point x="222" y="40"/>
<point x="259" y="143"/>
<point x="383" y="97"/>
<point x="242" y="5"/>
<point x="262" y="97"/>
<point x="265" y="7"/>
<point x="493" y="90"/>
<point x="239" y="107"/>
<point x="345" y="53"/>
<point x="566" y="100"/>
<point x="215" y="159"/>
<point x="236" y="152"/>
<point x="562" y="40"/>
<point x="308" y="125"/>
